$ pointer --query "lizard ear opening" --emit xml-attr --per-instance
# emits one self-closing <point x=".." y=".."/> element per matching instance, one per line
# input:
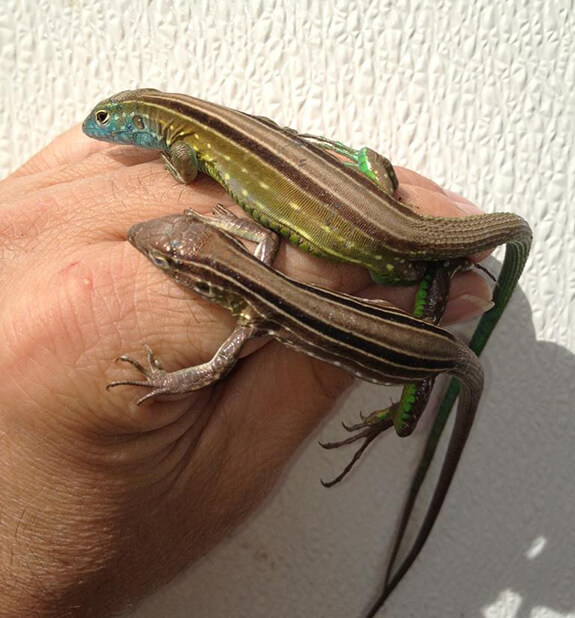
<point x="201" y="287"/>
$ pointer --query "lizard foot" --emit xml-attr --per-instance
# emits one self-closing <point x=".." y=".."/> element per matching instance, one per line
<point x="367" y="430"/>
<point x="155" y="376"/>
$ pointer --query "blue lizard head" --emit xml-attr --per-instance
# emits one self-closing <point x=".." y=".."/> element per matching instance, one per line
<point x="122" y="120"/>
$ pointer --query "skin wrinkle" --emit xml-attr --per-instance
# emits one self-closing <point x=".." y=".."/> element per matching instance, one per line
<point x="33" y="331"/>
<point x="178" y="309"/>
<point x="138" y="441"/>
<point x="327" y="386"/>
<point x="140" y="316"/>
<point x="23" y="223"/>
<point x="96" y="157"/>
<point x="162" y="456"/>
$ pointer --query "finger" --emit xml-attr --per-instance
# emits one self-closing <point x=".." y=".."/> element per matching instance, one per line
<point x="406" y="176"/>
<point x="429" y="201"/>
<point x="463" y="202"/>
<point x="417" y="186"/>
<point x="71" y="156"/>
<point x="66" y="149"/>
<point x="95" y="209"/>
<point x="427" y="198"/>
<point x="131" y="180"/>
<point x="469" y="296"/>
<point x="125" y="190"/>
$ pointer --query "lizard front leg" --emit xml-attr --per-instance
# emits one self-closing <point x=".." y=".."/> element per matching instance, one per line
<point x="181" y="161"/>
<point x="179" y="383"/>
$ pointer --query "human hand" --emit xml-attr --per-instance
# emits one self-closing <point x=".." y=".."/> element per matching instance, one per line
<point x="103" y="501"/>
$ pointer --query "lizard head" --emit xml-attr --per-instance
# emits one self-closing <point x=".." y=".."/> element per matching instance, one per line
<point x="192" y="253"/>
<point x="122" y="119"/>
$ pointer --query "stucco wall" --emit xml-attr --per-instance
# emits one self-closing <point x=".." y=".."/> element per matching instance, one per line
<point x="478" y="96"/>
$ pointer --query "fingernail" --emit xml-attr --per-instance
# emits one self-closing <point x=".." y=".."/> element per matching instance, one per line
<point x="466" y="207"/>
<point x="468" y="306"/>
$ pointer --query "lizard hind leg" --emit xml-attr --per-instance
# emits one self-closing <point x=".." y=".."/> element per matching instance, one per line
<point x="403" y="415"/>
<point x="367" y="430"/>
<point x="370" y="163"/>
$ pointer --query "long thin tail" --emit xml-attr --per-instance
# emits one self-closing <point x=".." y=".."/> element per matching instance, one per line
<point x="516" y="255"/>
<point x="472" y="387"/>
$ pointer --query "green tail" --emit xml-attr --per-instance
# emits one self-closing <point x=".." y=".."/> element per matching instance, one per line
<point x="516" y="255"/>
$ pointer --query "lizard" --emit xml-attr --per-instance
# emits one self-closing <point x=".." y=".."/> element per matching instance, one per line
<point x="372" y="340"/>
<point x="342" y="210"/>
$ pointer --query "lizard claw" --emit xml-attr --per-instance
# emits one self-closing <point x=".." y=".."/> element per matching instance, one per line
<point x="368" y="429"/>
<point x="154" y="375"/>
<point x="221" y="212"/>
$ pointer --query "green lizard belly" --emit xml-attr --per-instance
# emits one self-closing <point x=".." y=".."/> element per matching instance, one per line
<point x="310" y="224"/>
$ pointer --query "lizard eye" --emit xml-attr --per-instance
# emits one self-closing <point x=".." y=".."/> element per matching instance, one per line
<point x="102" y="116"/>
<point x="138" y="122"/>
<point x="159" y="260"/>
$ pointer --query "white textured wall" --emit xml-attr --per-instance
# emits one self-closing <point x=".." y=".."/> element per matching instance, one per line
<point x="477" y="95"/>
